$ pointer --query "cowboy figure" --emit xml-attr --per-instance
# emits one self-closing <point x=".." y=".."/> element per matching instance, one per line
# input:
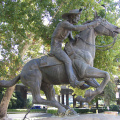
<point x="63" y="30"/>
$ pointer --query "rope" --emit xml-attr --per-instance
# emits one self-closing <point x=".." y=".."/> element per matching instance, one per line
<point x="27" y="113"/>
<point x="103" y="45"/>
<point x="109" y="44"/>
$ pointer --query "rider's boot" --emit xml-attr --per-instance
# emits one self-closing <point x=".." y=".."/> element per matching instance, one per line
<point x="74" y="81"/>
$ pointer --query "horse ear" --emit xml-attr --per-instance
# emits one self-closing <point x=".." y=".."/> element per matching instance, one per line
<point x="95" y="15"/>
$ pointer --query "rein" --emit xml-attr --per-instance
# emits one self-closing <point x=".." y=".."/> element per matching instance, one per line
<point x="115" y="38"/>
<point x="101" y="46"/>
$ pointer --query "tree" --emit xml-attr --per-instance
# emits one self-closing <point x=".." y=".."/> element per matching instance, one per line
<point x="23" y="30"/>
<point x="5" y="102"/>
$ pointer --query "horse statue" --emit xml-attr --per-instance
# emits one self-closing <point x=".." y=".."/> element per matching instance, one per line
<point x="43" y="73"/>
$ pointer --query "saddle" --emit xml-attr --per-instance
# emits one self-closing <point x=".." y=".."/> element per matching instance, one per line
<point x="49" y="60"/>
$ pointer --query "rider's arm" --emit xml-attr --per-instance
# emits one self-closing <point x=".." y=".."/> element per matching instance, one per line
<point x="72" y="27"/>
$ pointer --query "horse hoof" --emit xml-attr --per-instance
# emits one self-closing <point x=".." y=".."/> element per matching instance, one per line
<point x="88" y="93"/>
<point x="61" y="114"/>
<point x="67" y="113"/>
<point x="70" y="112"/>
<point x="79" y="83"/>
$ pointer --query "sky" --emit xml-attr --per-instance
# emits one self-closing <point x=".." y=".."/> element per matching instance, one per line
<point x="1" y="57"/>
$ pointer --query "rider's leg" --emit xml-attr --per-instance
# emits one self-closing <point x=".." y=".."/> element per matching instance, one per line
<point x="62" y="56"/>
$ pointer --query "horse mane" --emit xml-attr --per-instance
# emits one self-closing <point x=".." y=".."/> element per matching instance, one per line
<point x="89" y="21"/>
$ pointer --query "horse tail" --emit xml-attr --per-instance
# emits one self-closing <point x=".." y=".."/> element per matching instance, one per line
<point x="10" y="83"/>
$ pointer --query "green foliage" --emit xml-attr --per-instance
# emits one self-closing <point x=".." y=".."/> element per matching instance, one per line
<point x="57" y="89"/>
<point x="25" y="110"/>
<point x="28" y="103"/>
<point x="2" y="92"/>
<point x="100" y="110"/>
<point x="78" y="91"/>
<point x="109" y="93"/>
<point x="22" y="32"/>
<point x="51" y="111"/>
<point x="17" y="101"/>
<point x="80" y="110"/>
<point x="114" y="108"/>
<point x="39" y="110"/>
<point x="93" y="101"/>
<point x="17" y="110"/>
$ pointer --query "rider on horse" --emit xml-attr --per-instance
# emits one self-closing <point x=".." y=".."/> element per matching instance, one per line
<point x="63" y="30"/>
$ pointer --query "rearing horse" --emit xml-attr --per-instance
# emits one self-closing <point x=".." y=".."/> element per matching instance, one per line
<point x="44" y="72"/>
<point x="85" y="47"/>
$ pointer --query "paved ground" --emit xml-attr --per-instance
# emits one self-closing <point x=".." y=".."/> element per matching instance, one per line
<point x="87" y="117"/>
<point x="45" y="116"/>
<point x="30" y="116"/>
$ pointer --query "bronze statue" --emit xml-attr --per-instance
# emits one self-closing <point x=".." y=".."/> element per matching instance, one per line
<point x="63" y="30"/>
<point x="43" y="73"/>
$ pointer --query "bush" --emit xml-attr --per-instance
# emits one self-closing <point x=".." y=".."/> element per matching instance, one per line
<point x="17" y="101"/>
<point x="38" y="110"/>
<point x="54" y="112"/>
<point x="17" y="110"/>
<point x="114" y="108"/>
<point x="2" y="92"/>
<point x="81" y="110"/>
<point x="28" y="104"/>
<point x="25" y="110"/>
<point x="100" y="110"/>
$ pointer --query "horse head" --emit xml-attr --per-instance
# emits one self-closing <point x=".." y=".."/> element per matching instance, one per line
<point x="106" y="28"/>
<point x="85" y="40"/>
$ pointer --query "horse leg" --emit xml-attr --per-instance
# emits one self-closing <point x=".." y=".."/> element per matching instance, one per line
<point x="92" y="82"/>
<point x="49" y="91"/>
<point x="50" y="95"/>
<point x="87" y="99"/>
<point x="33" y="79"/>
<point x="92" y="72"/>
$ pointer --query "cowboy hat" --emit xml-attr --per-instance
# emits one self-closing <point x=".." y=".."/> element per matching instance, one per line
<point x="72" y="12"/>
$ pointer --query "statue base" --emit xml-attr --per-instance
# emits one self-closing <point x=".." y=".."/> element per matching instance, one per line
<point x="99" y="116"/>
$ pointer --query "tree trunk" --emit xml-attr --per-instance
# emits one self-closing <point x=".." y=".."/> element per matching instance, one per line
<point x="8" y="94"/>
<point x="81" y="104"/>
<point x="5" y="102"/>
